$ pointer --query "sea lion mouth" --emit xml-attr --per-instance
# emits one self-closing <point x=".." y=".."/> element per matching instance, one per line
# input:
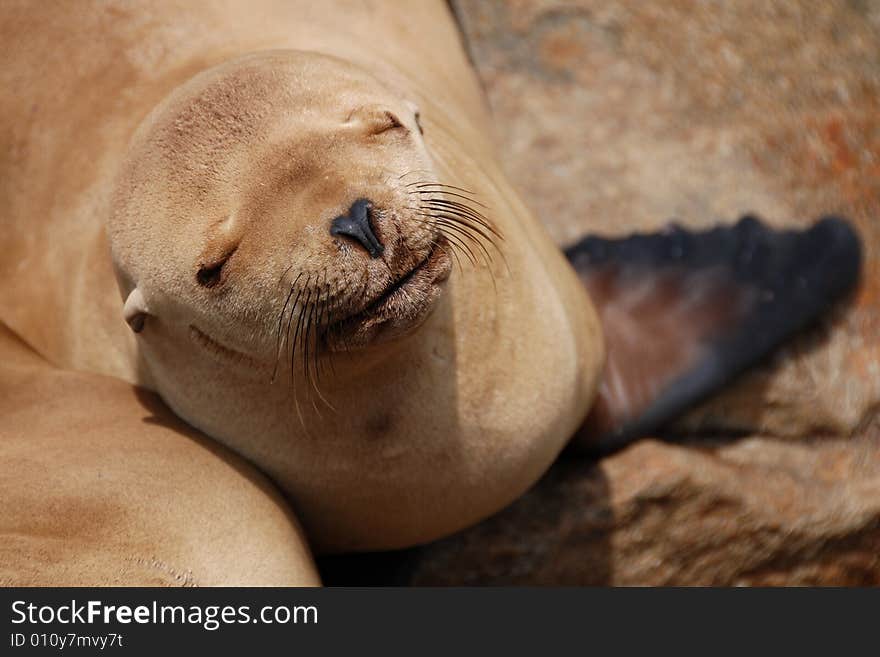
<point x="401" y="307"/>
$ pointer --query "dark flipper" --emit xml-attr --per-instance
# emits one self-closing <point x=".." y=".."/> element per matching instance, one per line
<point x="685" y="312"/>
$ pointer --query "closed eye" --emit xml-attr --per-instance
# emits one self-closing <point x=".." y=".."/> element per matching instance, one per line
<point x="388" y="122"/>
<point x="211" y="275"/>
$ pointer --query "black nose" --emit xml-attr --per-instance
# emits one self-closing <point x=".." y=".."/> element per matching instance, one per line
<point x="356" y="224"/>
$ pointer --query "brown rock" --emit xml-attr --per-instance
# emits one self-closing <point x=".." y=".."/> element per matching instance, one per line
<point x="757" y="511"/>
<point x="614" y="116"/>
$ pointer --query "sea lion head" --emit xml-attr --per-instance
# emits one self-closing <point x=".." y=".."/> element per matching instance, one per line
<point x="270" y="211"/>
<point x="285" y="177"/>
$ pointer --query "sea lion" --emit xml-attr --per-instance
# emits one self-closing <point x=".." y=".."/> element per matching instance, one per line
<point x="324" y="268"/>
<point x="307" y="313"/>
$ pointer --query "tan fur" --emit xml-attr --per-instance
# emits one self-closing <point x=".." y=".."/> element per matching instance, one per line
<point x="103" y="486"/>
<point x="432" y="430"/>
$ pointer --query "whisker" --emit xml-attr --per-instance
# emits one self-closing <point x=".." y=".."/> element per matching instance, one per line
<point x="297" y="335"/>
<point x="419" y="184"/>
<point x="317" y="319"/>
<point x="461" y="213"/>
<point x="423" y="218"/>
<point x="409" y="173"/>
<point x="292" y="344"/>
<point x="312" y="341"/>
<point x="443" y="198"/>
<point x="461" y="227"/>
<point x="331" y="312"/>
<point x="425" y="191"/>
<point x="463" y="221"/>
<point x="458" y="243"/>
<point x="322" y="318"/>
<point x="470" y="237"/>
<point x="278" y="343"/>
<point x="281" y="278"/>
<point x="465" y="210"/>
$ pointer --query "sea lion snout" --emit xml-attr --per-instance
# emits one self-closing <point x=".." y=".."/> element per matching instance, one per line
<point x="358" y="225"/>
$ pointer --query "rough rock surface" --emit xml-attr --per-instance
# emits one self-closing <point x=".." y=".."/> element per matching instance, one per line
<point x="614" y="116"/>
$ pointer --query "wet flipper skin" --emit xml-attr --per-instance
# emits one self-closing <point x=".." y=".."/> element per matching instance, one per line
<point x="685" y="312"/>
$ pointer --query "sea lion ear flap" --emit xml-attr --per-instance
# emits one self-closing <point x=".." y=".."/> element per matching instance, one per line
<point x="685" y="312"/>
<point x="135" y="310"/>
<point x="416" y="114"/>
